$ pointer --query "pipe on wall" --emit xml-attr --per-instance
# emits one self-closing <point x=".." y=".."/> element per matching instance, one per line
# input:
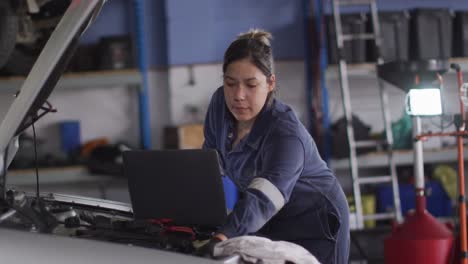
<point x="144" y="113"/>
<point x="315" y="59"/>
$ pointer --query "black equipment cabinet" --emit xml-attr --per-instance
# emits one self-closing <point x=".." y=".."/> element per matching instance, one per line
<point x="431" y="34"/>
<point x="394" y="28"/>
<point x="355" y="50"/>
<point x="460" y="37"/>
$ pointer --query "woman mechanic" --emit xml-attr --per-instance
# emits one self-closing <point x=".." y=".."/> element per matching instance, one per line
<point x="288" y="192"/>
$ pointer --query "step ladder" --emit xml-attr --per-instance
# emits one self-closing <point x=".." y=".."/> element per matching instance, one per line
<point x="346" y="100"/>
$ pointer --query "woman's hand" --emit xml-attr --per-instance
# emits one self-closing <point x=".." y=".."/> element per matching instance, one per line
<point x="221" y="236"/>
<point x="207" y="249"/>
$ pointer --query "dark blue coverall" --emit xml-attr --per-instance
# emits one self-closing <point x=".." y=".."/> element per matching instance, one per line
<point x="288" y="192"/>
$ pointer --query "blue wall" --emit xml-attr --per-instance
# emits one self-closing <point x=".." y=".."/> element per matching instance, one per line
<point x="189" y="32"/>
<point x="113" y="20"/>
<point x="116" y="18"/>
<point x="200" y="31"/>
<point x="155" y="16"/>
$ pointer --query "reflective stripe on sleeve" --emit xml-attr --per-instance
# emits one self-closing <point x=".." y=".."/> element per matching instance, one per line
<point x="270" y="191"/>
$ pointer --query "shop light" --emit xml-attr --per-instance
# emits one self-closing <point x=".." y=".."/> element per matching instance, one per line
<point x="424" y="102"/>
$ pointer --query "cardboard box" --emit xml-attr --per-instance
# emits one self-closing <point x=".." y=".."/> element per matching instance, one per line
<point x="188" y="136"/>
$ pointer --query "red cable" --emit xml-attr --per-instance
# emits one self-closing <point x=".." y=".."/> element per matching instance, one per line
<point x="166" y="224"/>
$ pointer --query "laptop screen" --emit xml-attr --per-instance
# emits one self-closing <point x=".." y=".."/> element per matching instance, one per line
<point x="182" y="185"/>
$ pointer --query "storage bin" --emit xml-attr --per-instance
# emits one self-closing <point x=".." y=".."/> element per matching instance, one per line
<point x="354" y="50"/>
<point x="368" y="203"/>
<point x="437" y="201"/>
<point x="460" y="37"/>
<point x="394" y="30"/>
<point x="431" y="34"/>
<point x="368" y="208"/>
<point x="70" y="135"/>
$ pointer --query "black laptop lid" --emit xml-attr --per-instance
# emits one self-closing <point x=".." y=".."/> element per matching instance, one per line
<point x="183" y="185"/>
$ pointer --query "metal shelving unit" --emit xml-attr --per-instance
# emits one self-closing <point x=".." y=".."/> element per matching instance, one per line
<point x="130" y="78"/>
<point x="401" y="157"/>
<point x="368" y="69"/>
<point x="83" y="80"/>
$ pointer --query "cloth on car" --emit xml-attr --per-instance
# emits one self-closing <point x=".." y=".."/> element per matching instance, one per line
<point x="257" y="249"/>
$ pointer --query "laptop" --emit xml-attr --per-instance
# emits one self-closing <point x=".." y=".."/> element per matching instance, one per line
<point x="182" y="185"/>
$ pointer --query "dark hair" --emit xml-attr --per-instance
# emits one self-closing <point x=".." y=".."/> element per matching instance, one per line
<point x="254" y="44"/>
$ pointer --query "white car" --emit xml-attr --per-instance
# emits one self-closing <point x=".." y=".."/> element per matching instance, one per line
<point x="52" y="228"/>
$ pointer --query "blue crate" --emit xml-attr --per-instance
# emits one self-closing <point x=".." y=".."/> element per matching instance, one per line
<point x="437" y="201"/>
<point x="70" y="134"/>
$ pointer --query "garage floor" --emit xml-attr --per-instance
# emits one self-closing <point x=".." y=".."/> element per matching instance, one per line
<point x="367" y="246"/>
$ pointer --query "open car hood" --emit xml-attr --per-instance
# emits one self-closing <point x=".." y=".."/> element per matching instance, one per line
<point x="74" y="216"/>
<point x="43" y="77"/>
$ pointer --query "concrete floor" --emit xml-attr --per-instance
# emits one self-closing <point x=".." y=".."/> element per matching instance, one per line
<point x="367" y="246"/>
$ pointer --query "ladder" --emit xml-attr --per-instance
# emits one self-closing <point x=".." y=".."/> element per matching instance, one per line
<point x="353" y="144"/>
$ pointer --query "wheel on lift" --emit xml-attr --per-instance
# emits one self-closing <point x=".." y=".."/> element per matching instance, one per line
<point x="8" y="31"/>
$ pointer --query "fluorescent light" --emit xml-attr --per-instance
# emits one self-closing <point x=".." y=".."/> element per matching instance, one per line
<point x="424" y="102"/>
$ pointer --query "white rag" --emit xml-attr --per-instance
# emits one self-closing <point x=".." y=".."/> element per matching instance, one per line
<point x="256" y="249"/>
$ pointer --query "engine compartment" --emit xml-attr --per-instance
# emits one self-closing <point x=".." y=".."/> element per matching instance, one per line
<point x="85" y="218"/>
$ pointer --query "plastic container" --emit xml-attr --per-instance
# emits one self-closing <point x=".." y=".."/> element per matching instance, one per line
<point x="368" y="208"/>
<point x="354" y="50"/>
<point x="394" y="28"/>
<point x="70" y="134"/>
<point x="421" y="238"/>
<point x="431" y="34"/>
<point x="438" y="201"/>
<point x="460" y="34"/>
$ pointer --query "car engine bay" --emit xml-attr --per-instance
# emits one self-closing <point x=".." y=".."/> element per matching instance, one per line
<point x="95" y="219"/>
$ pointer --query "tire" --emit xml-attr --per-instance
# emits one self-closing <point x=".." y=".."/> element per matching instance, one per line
<point x="8" y="31"/>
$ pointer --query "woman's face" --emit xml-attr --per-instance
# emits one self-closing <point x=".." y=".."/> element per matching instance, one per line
<point x="246" y="89"/>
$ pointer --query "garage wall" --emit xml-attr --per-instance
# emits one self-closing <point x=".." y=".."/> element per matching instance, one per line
<point x="117" y="18"/>
<point x="110" y="112"/>
<point x="200" y="31"/>
<point x="182" y="33"/>
<point x="207" y="78"/>
<point x="114" y="110"/>
<point x="291" y="82"/>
